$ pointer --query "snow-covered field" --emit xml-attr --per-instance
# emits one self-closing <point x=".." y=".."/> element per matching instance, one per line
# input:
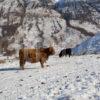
<point x="74" y="78"/>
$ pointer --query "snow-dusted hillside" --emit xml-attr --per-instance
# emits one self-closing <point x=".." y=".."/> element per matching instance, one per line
<point x="90" y="46"/>
<point x="74" y="78"/>
<point x="86" y="25"/>
<point x="31" y="24"/>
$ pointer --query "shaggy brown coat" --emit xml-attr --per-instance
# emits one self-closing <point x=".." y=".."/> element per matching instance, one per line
<point x="35" y="55"/>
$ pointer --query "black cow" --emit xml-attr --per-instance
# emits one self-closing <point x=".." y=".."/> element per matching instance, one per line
<point x="65" y="52"/>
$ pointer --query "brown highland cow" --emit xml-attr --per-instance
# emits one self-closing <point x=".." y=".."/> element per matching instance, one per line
<point x="35" y="55"/>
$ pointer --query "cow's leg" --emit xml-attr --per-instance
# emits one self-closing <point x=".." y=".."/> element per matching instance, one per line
<point x="42" y="62"/>
<point x="60" y="54"/>
<point x="69" y="55"/>
<point x="22" y="63"/>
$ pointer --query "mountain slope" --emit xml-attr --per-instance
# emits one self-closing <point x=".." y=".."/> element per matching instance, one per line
<point x="33" y="24"/>
<point x="91" y="45"/>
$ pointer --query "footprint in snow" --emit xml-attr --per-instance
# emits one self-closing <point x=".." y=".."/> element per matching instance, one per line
<point x="43" y="83"/>
<point x="65" y="76"/>
<point x="86" y="70"/>
<point x="21" y="80"/>
<point x="1" y="92"/>
<point x="78" y="79"/>
<point x="64" y="98"/>
<point x="31" y="87"/>
<point x="20" y="85"/>
<point x="93" y="73"/>
<point x="29" y="76"/>
<point x="20" y="98"/>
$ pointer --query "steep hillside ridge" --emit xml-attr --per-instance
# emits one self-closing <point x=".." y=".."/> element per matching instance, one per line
<point x="29" y="24"/>
<point x="34" y="23"/>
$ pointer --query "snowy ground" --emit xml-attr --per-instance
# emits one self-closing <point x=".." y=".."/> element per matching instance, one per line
<point x="74" y="78"/>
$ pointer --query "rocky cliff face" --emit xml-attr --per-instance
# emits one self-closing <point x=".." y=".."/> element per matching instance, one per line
<point x="30" y="23"/>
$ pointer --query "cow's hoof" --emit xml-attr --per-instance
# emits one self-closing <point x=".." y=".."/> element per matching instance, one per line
<point x="42" y="66"/>
<point x="21" y="68"/>
<point x="47" y="65"/>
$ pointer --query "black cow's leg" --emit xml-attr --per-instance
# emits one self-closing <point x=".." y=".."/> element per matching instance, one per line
<point x="70" y="52"/>
<point x="60" y="54"/>
<point x="69" y="55"/>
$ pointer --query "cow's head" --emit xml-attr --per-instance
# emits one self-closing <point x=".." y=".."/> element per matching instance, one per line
<point x="51" y="51"/>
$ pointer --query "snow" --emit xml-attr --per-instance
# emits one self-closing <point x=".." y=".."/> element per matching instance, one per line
<point x="86" y="25"/>
<point x="74" y="78"/>
<point x="91" y="45"/>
